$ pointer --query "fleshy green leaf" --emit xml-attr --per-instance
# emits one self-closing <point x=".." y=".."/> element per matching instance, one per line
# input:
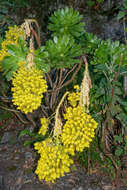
<point x="66" y="21"/>
<point x="121" y="15"/>
<point x="41" y="59"/>
<point x="63" y="52"/>
<point x="17" y="53"/>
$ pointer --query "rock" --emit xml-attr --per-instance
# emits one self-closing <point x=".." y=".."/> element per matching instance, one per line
<point x="31" y="129"/>
<point x="94" y="188"/>
<point x="108" y="187"/>
<point x="1" y="183"/>
<point x="28" y="155"/>
<point x="90" y="188"/>
<point x="97" y="188"/>
<point x="80" y="188"/>
<point x="35" y="187"/>
<point x="7" y="137"/>
<point x="123" y="188"/>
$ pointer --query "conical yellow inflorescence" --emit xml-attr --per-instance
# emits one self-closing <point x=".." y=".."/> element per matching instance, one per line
<point x="54" y="162"/>
<point x="28" y="88"/>
<point x="78" y="130"/>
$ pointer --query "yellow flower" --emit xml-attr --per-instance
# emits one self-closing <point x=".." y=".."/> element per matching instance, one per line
<point x="54" y="162"/>
<point x="44" y="125"/>
<point x="78" y="130"/>
<point x="14" y="33"/>
<point x="11" y="37"/>
<point x="28" y="88"/>
<point x="76" y="87"/>
<point x="73" y="98"/>
<point x="21" y="63"/>
<point x="31" y="51"/>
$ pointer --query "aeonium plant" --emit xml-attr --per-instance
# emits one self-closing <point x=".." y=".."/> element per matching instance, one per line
<point x="42" y="74"/>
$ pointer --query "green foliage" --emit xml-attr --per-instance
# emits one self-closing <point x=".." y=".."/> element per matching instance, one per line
<point x="17" y="53"/>
<point x="89" y="43"/>
<point x="107" y="65"/>
<point x="66" y="22"/>
<point x="121" y="141"/>
<point x="5" y="19"/>
<point x="29" y="133"/>
<point x="41" y="59"/>
<point x="125" y="4"/>
<point x="119" y="151"/>
<point x="19" y="3"/>
<point x="1" y="39"/>
<point x="105" y="61"/>
<point x="122" y="13"/>
<point x="91" y="3"/>
<point x="62" y="52"/>
<point x="111" y="53"/>
<point x="92" y="154"/>
<point x="100" y="1"/>
<point x="4" y="86"/>
<point x="12" y="4"/>
<point x="33" y="137"/>
<point x="108" y="168"/>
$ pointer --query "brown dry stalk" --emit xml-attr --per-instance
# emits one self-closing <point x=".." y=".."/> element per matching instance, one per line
<point x="57" y="85"/>
<point x="67" y="74"/>
<point x="49" y="79"/>
<point x="54" y="94"/>
<point x="16" y="113"/>
<point x="60" y="76"/>
<point x="58" y="122"/>
<point x="36" y="37"/>
<point x="69" y="81"/>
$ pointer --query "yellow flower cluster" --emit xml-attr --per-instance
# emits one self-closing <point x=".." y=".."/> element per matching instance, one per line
<point x="14" y="33"/>
<point x="28" y="88"/>
<point x="11" y="37"/>
<point x="76" y="134"/>
<point x="53" y="162"/>
<point x="21" y="63"/>
<point x="76" y="87"/>
<point x="73" y="98"/>
<point x="78" y="130"/>
<point x="44" y="126"/>
<point x="3" y="51"/>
